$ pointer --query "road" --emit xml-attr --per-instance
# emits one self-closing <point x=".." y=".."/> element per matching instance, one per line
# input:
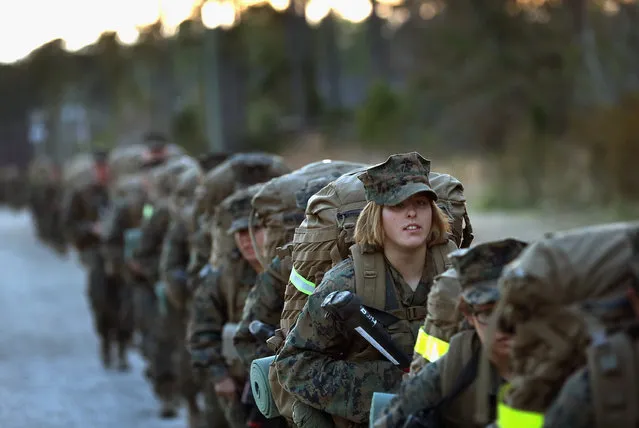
<point x="50" y="375"/>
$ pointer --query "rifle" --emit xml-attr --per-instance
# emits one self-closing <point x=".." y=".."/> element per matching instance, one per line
<point x="347" y="307"/>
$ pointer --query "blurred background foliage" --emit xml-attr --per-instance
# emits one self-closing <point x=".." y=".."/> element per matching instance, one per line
<point x="544" y="93"/>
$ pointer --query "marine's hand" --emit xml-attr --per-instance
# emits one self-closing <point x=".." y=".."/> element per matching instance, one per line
<point x="226" y="388"/>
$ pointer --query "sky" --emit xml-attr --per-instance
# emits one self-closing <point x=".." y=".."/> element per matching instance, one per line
<point x="27" y="24"/>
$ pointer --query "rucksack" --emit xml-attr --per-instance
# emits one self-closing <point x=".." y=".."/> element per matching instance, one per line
<point x="325" y="237"/>
<point x="549" y="298"/>
<point x="613" y="368"/>
<point x="237" y="172"/>
<point x="230" y="175"/>
<point x="130" y="159"/>
<point x="280" y="203"/>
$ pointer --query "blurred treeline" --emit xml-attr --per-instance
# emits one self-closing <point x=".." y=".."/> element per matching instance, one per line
<point x="546" y="92"/>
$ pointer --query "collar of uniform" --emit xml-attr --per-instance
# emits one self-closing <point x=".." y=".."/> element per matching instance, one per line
<point x="404" y="292"/>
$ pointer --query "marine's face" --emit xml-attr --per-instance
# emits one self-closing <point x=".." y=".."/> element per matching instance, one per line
<point x="407" y="225"/>
<point x="634" y="300"/>
<point x="479" y="317"/>
<point x="101" y="171"/>
<point x="243" y="242"/>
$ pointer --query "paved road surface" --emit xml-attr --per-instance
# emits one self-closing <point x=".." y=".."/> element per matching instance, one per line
<point x="50" y="376"/>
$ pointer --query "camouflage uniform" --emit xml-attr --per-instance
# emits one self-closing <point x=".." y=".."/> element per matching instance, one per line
<point x="123" y="216"/>
<point x="200" y="250"/>
<point x="331" y="368"/>
<point x="264" y="303"/>
<point x="84" y="208"/>
<point x="174" y="261"/>
<point x="478" y="270"/>
<point x="175" y="293"/>
<point x="158" y="344"/>
<point x="147" y="257"/>
<point x="217" y="302"/>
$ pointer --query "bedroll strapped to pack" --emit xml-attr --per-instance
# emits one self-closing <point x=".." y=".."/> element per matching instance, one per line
<point x="237" y="172"/>
<point x="326" y="235"/>
<point x="547" y="297"/>
<point x="280" y="203"/>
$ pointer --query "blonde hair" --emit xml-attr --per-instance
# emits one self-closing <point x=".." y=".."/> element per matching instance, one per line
<point x="369" y="229"/>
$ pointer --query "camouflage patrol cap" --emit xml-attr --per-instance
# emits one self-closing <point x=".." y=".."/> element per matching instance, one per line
<point x="397" y="179"/>
<point x="478" y="268"/>
<point x="239" y="206"/>
<point x="312" y="187"/>
<point x="255" y="167"/>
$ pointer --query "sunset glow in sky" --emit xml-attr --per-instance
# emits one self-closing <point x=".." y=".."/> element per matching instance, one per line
<point x="25" y="25"/>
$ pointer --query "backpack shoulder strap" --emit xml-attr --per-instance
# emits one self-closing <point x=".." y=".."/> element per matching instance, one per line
<point x="370" y="277"/>
<point x="440" y="256"/>
<point x="430" y="416"/>
<point x="613" y="375"/>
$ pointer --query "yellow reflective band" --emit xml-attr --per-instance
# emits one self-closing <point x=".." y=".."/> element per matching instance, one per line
<point x="147" y="211"/>
<point x="508" y="417"/>
<point x="430" y="347"/>
<point x="301" y="283"/>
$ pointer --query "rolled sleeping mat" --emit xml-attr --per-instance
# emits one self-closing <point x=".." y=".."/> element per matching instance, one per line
<point x="379" y="402"/>
<point x="261" y="387"/>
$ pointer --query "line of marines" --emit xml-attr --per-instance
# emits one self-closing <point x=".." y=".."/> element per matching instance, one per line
<point x="200" y="264"/>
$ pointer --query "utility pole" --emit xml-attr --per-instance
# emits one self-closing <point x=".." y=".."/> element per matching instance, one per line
<point x="213" y="123"/>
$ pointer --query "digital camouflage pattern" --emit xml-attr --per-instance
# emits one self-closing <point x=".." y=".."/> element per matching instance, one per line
<point x="174" y="262"/>
<point x="152" y="233"/>
<point x="83" y="207"/>
<point x="216" y="302"/>
<point x="397" y="179"/>
<point x="478" y="268"/>
<point x="331" y="368"/>
<point x="573" y="406"/>
<point x="239" y="206"/>
<point x="416" y="393"/>
<point x="182" y="200"/>
<point x="264" y="303"/>
<point x="173" y="322"/>
<point x="147" y="257"/>
<point x="219" y="300"/>
<point x="200" y="242"/>
<point x="124" y="216"/>
<point x="436" y="381"/>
